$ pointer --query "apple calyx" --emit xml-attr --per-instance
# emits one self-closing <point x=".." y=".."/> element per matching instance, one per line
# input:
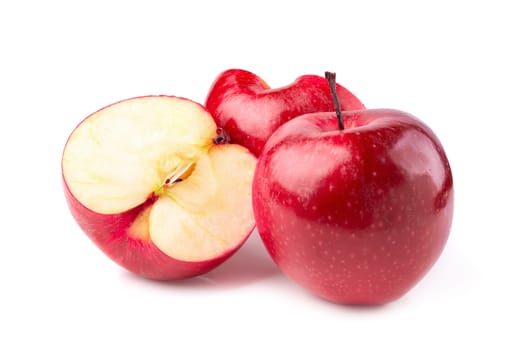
<point x="331" y="79"/>
<point x="222" y="137"/>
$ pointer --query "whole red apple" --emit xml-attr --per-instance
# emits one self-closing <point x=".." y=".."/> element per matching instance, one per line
<point x="355" y="208"/>
<point x="154" y="187"/>
<point x="243" y="104"/>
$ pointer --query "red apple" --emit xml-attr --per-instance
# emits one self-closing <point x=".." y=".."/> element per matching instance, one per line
<point x="355" y="215"/>
<point x="149" y="183"/>
<point x="244" y="105"/>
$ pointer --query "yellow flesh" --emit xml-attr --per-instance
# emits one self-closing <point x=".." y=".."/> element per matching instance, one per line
<point x="211" y="210"/>
<point x="119" y="156"/>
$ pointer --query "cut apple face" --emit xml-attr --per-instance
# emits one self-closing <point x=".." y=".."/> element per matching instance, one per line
<point x="161" y="148"/>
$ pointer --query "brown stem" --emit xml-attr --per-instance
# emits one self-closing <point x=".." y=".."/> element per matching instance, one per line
<point x="331" y="79"/>
<point x="221" y="137"/>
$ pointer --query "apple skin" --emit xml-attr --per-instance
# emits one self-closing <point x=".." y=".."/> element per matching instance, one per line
<point x="357" y="216"/>
<point x="243" y="104"/>
<point x="110" y="234"/>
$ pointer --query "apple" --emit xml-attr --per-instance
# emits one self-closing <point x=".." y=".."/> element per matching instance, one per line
<point x="244" y="105"/>
<point x="156" y="189"/>
<point x="356" y="207"/>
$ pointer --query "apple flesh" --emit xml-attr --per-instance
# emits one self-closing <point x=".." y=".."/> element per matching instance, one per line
<point x="145" y="181"/>
<point x="359" y="215"/>
<point x="250" y="111"/>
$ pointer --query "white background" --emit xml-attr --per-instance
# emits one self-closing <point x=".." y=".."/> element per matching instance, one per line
<point x="455" y="64"/>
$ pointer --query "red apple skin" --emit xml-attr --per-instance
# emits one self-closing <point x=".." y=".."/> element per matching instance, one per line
<point x="111" y="234"/>
<point x="357" y="216"/>
<point x="243" y="104"/>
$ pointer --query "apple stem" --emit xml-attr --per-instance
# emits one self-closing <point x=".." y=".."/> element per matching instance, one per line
<point x="331" y="79"/>
<point x="222" y="137"/>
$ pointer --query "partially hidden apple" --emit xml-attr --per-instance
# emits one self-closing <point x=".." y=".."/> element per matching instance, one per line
<point x="152" y="184"/>
<point x="356" y="206"/>
<point x="250" y="111"/>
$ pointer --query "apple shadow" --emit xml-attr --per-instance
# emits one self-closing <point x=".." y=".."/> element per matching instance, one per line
<point x="341" y="308"/>
<point x="250" y="264"/>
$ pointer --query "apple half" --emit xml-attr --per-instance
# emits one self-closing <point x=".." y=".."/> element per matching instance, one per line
<point x="148" y="180"/>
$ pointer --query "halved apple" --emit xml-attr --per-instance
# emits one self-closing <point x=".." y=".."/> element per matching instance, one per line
<point x="148" y="183"/>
